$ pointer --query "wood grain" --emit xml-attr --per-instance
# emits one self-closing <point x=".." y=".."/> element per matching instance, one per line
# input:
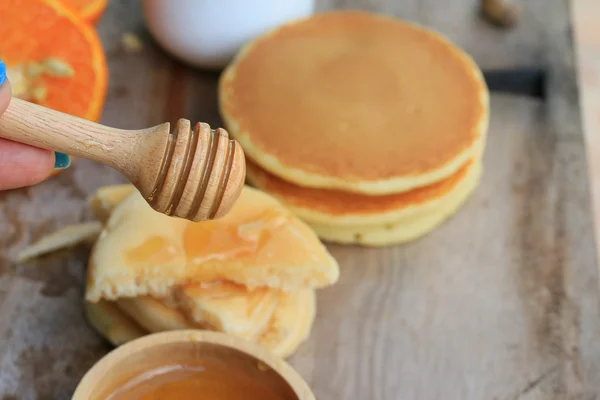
<point x="501" y="302"/>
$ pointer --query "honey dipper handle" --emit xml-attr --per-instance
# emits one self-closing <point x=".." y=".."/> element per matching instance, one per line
<point x="42" y="127"/>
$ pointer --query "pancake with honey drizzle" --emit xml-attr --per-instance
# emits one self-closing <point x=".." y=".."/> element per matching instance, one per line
<point x="258" y="243"/>
<point x="136" y="243"/>
<point x="228" y="307"/>
<point x="327" y="207"/>
<point x="407" y="228"/>
<point x="357" y="102"/>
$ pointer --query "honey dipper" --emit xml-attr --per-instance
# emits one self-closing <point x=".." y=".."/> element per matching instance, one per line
<point x="193" y="173"/>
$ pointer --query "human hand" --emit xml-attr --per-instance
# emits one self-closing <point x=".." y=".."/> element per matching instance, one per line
<point x="20" y="164"/>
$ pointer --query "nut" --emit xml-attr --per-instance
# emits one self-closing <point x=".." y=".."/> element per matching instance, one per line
<point x="501" y="13"/>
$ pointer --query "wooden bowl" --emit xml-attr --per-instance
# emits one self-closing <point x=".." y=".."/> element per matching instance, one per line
<point x="190" y="347"/>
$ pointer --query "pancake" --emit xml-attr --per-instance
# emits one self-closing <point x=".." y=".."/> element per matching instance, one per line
<point x="343" y="209"/>
<point x="229" y="308"/>
<point x="111" y="323"/>
<point x="291" y="322"/>
<point x="288" y="326"/>
<point x="259" y="243"/>
<point x="103" y="202"/>
<point x="406" y="229"/>
<point x="354" y="101"/>
<point x="153" y="315"/>
<point x="113" y="271"/>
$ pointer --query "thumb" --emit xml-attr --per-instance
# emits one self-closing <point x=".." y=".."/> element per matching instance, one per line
<point x="20" y="165"/>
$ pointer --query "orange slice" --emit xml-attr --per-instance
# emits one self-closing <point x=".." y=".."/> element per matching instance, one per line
<point x="88" y="10"/>
<point x="36" y="32"/>
<point x="53" y="57"/>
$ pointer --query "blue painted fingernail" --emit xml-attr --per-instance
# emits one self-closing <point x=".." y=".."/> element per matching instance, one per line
<point x="2" y="72"/>
<point x="61" y="160"/>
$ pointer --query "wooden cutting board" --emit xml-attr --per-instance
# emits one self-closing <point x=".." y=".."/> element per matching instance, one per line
<point x="501" y="302"/>
<point x="586" y="31"/>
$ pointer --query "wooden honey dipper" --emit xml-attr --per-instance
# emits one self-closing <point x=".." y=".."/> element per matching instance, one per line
<point x="196" y="174"/>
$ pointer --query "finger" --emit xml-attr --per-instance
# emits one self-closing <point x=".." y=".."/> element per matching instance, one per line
<point x="23" y="165"/>
<point x="20" y="164"/>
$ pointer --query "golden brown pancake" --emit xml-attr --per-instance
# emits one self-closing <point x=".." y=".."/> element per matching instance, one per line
<point x="355" y="101"/>
<point x="259" y="243"/>
<point x="409" y="227"/>
<point x="340" y="209"/>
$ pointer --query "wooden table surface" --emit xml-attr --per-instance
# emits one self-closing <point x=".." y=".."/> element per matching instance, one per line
<point x="501" y="302"/>
<point x="586" y="31"/>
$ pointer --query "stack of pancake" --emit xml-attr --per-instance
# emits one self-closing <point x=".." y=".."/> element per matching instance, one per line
<point x="251" y="274"/>
<point x="368" y="128"/>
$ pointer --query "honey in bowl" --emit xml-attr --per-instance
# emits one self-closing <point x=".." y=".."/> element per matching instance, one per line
<point x="211" y="380"/>
<point x="191" y="364"/>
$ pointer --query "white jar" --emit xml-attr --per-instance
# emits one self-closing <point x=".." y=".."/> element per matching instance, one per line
<point x="208" y="33"/>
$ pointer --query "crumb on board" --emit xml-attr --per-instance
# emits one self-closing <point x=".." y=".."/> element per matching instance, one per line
<point x="131" y="42"/>
<point x="66" y="237"/>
